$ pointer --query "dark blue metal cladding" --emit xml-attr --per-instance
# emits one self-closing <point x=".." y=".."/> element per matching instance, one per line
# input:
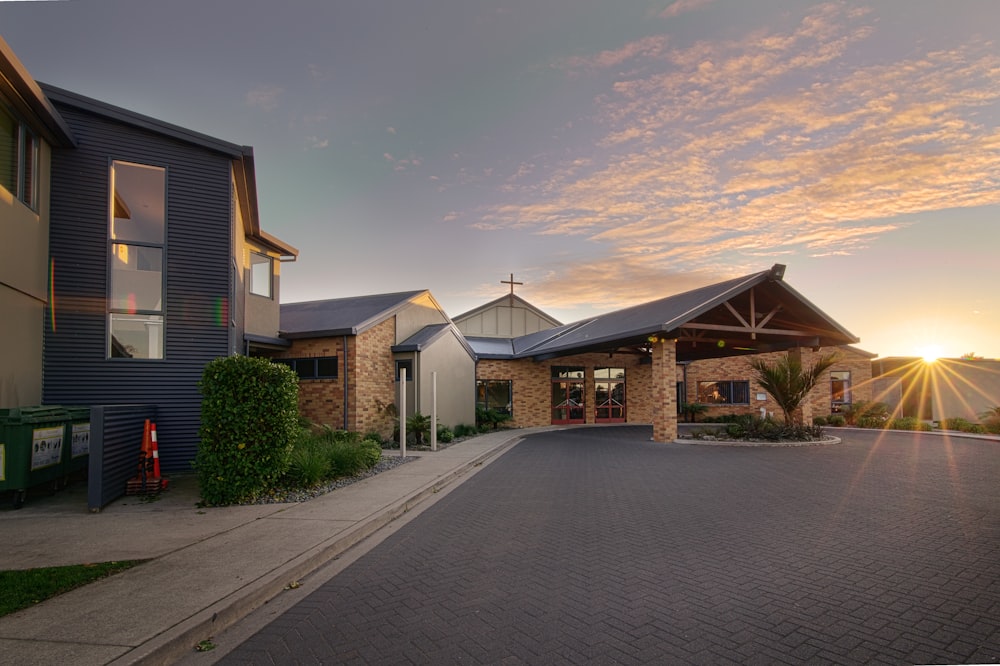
<point x="77" y="369"/>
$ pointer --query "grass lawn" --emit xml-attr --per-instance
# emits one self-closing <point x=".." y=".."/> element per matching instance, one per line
<point x="22" y="588"/>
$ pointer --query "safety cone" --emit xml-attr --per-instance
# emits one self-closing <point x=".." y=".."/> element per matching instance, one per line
<point x="159" y="482"/>
<point x="137" y="484"/>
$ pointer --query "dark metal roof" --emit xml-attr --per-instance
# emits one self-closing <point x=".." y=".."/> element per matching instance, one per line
<point x="501" y="348"/>
<point x="718" y="313"/>
<point x="426" y="336"/>
<point x="121" y="115"/>
<point x="340" y="316"/>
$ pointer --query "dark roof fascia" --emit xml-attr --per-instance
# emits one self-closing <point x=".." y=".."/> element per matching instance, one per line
<point x="266" y="340"/>
<point x="28" y="99"/>
<point x="330" y="333"/>
<point x="245" y="174"/>
<point x="118" y="114"/>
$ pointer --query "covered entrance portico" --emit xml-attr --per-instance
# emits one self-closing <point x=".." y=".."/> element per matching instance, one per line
<point x="585" y="364"/>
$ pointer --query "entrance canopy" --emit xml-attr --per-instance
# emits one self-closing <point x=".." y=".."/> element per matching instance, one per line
<point x="749" y="315"/>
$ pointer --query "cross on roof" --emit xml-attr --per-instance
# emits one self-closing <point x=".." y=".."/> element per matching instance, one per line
<point x="511" y="283"/>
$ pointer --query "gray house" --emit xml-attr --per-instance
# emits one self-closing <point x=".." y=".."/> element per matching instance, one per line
<point x="158" y="265"/>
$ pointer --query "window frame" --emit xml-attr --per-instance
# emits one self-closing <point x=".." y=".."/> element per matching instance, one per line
<point x="730" y="391"/>
<point x="129" y="311"/>
<point x="408" y="364"/>
<point x="484" y="384"/>
<point x="314" y="361"/>
<point x="836" y="406"/>
<point x="25" y="161"/>
<point x="270" y="274"/>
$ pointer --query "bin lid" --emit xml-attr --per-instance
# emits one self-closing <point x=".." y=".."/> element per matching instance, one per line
<point x="77" y="413"/>
<point x="37" y="414"/>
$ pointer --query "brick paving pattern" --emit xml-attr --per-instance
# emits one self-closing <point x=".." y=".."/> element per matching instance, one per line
<point x="596" y="546"/>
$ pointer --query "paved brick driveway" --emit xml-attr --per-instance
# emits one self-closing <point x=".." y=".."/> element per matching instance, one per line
<point x="598" y="546"/>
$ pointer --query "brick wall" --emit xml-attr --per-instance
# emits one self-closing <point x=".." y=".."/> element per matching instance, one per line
<point x="320" y="400"/>
<point x="374" y="374"/>
<point x="533" y="385"/>
<point x="737" y="368"/>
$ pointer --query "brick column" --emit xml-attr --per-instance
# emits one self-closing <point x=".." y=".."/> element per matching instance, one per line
<point x="665" y="391"/>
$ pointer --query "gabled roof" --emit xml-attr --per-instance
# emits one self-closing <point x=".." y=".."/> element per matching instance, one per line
<point x="428" y="335"/>
<point x="341" y="316"/>
<point x="506" y="301"/>
<point x="759" y="312"/>
<point x="242" y="157"/>
<point x="27" y="98"/>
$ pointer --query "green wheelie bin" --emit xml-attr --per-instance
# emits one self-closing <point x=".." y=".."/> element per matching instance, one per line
<point x="31" y="448"/>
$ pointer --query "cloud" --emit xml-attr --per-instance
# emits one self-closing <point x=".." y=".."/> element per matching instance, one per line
<point x="682" y="7"/>
<point x="265" y="98"/>
<point x="721" y="154"/>
<point x="390" y="130"/>
<point x="317" y="143"/>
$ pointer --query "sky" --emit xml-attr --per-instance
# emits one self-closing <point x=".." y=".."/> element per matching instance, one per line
<point x="605" y="152"/>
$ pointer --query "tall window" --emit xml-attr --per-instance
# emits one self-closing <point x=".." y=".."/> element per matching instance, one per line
<point x="261" y="271"/>
<point x="567" y="395"/>
<point x="609" y="394"/>
<point x="138" y="236"/>
<point x="840" y="390"/>
<point x="495" y="394"/>
<point x="724" y="393"/>
<point x="18" y="159"/>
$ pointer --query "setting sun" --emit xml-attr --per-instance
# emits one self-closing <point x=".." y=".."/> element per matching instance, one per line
<point x="930" y="352"/>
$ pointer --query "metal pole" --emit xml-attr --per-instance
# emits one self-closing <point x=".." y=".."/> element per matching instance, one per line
<point x="402" y="412"/>
<point x="434" y="411"/>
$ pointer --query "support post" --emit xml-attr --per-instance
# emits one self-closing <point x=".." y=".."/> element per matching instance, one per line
<point x="434" y="411"/>
<point x="402" y="412"/>
<point x="664" y="390"/>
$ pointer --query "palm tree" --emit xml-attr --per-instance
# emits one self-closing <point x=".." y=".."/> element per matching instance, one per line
<point x="787" y="381"/>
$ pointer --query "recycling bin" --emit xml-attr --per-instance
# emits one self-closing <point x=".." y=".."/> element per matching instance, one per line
<point x="31" y="448"/>
<point x="76" y="447"/>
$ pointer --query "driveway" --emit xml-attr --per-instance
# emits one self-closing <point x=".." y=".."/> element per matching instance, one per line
<point x="595" y="545"/>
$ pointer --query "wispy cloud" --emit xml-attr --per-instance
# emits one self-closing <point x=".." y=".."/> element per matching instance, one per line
<point x="264" y="97"/>
<point x="737" y="151"/>
<point x="682" y="7"/>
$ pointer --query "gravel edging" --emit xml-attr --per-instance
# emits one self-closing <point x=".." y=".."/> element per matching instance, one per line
<point x="290" y="495"/>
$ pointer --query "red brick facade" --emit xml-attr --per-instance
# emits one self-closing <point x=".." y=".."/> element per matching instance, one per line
<point x="646" y="397"/>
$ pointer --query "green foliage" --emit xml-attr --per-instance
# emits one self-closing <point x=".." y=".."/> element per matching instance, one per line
<point x="963" y="425"/>
<point x="820" y="421"/>
<point x="692" y="410"/>
<point x="329" y="454"/>
<point x="865" y="414"/>
<point x="754" y="428"/>
<point x="490" y="419"/>
<point x="21" y="588"/>
<point x="787" y="381"/>
<point x="444" y="434"/>
<point x="465" y="430"/>
<point x="310" y="463"/>
<point x="907" y="423"/>
<point x="836" y="420"/>
<point x="419" y="426"/>
<point x="249" y="422"/>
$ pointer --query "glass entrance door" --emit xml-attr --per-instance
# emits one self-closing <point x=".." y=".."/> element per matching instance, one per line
<point x="567" y="396"/>
<point x="609" y="391"/>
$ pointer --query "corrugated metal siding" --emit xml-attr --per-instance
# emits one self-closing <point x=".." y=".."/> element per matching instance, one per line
<point x="198" y="260"/>
<point x="115" y="446"/>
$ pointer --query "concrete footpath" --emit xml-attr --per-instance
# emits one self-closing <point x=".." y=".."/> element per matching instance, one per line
<point x="208" y="568"/>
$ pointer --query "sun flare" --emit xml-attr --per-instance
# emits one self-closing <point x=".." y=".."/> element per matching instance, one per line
<point x="930" y="352"/>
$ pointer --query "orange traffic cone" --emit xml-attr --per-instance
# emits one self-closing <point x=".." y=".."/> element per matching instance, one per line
<point x="137" y="485"/>
<point x="161" y="483"/>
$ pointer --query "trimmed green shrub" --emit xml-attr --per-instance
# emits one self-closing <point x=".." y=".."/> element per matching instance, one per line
<point x="444" y="434"/>
<point x="249" y="422"/>
<point x="908" y="423"/>
<point x="755" y="428"/>
<point x="836" y="420"/>
<point x="465" y="430"/>
<point x="692" y="410"/>
<point x="371" y="451"/>
<point x="820" y="421"/>
<point x="865" y="414"/>
<point x="963" y="425"/>
<point x="490" y="419"/>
